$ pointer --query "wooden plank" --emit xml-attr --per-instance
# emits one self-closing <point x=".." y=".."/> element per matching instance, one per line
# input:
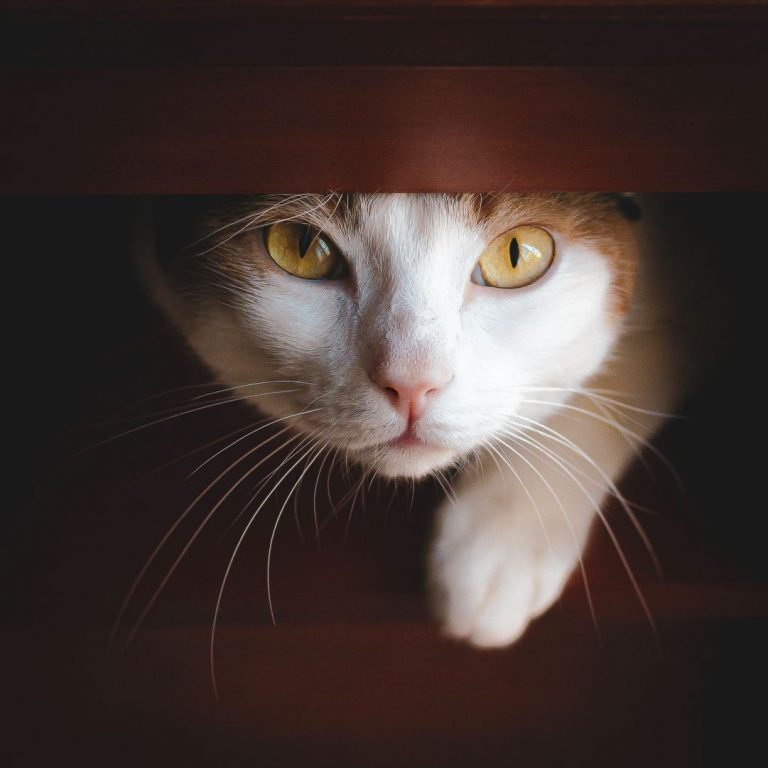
<point x="285" y="130"/>
<point x="216" y="7"/>
<point x="423" y="33"/>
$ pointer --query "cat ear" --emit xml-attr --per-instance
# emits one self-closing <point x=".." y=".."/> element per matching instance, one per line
<point x="628" y="206"/>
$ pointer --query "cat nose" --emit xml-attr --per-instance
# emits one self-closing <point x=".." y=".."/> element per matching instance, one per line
<point x="410" y="397"/>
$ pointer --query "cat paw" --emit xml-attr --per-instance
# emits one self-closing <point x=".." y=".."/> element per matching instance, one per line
<point x="491" y="576"/>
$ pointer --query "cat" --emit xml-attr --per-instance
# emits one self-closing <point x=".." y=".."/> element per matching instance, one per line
<point x="520" y="338"/>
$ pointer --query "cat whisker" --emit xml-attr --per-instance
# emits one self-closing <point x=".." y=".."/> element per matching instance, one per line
<point x="161" y="544"/>
<point x="140" y="577"/>
<point x="296" y="517"/>
<point x="610" y="421"/>
<point x="558" y="437"/>
<point x="611" y="413"/>
<point x="413" y="496"/>
<point x="165" y="393"/>
<point x="358" y="487"/>
<point x="611" y="534"/>
<point x="364" y="495"/>
<point x="600" y="394"/>
<point x="255" y="384"/>
<point x="527" y="493"/>
<point x="330" y="216"/>
<point x="176" y="415"/>
<point x="633" y="439"/>
<point x="392" y="497"/>
<point x="233" y="557"/>
<point x="445" y="483"/>
<point x="567" y="519"/>
<point x="305" y="212"/>
<point x="270" y="423"/>
<point x="337" y="506"/>
<point x="296" y="449"/>
<point x="332" y="465"/>
<point x="326" y="454"/>
<point x="250" y="217"/>
<point x="186" y="455"/>
<point x="184" y="409"/>
<point x="517" y="434"/>
<point x="521" y="431"/>
<point x="660" y="455"/>
<point x="264" y="221"/>
<point x="502" y="474"/>
<point x="293" y="490"/>
<point x="190" y="542"/>
<point x="259" y="220"/>
<point x="440" y="481"/>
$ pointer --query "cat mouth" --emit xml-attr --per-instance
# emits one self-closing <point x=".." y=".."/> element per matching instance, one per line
<point x="407" y="455"/>
<point x="408" y="439"/>
<point x="409" y="442"/>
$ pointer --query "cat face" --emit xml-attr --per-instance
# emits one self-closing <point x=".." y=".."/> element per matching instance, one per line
<point x="406" y="361"/>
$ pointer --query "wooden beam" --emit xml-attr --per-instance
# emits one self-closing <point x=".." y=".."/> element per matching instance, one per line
<point x="293" y="129"/>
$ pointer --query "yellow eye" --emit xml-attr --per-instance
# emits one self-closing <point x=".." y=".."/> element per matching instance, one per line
<point x="517" y="258"/>
<point x="304" y="251"/>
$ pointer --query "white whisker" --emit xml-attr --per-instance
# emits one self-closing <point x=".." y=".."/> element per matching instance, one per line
<point x="174" y="527"/>
<point x="556" y="436"/>
<point x="577" y="545"/>
<point x="527" y="493"/>
<point x="224" y="401"/>
<point x="612" y="535"/>
<point x="232" y="559"/>
<point x="597" y="395"/>
<point x="254" y="384"/>
<point x="181" y="458"/>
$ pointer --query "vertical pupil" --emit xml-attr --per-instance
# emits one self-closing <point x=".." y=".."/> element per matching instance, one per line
<point x="514" y="252"/>
<point x="305" y="240"/>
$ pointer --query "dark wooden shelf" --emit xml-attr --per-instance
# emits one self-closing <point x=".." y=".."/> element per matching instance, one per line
<point x="565" y="33"/>
<point x="259" y="95"/>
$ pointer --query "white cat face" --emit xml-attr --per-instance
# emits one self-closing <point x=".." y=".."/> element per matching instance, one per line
<point x="407" y="365"/>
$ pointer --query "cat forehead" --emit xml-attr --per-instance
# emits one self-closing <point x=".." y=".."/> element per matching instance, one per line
<point x="427" y="217"/>
<point x="385" y="217"/>
<point x="411" y="227"/>
<point x="411" y="215"/>
<point x="421" y="231"/>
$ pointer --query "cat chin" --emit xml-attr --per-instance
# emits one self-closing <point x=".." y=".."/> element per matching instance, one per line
<point x="411" y="462"/>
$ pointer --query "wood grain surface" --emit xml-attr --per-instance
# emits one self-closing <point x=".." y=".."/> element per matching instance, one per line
<point x="293" y="130"/>
<point x="202" y="97"/>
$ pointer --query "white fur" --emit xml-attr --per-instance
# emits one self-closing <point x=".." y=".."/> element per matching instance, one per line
<point x="506" y="546"/>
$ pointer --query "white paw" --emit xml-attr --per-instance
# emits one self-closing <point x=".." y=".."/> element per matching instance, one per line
<point x="492" y="574"/>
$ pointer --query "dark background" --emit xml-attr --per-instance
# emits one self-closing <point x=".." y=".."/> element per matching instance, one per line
<point x="355" y="672"/>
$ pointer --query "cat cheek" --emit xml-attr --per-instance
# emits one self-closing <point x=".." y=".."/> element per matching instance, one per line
<point x="620" y="301"/>
<point x="624" y="259"/>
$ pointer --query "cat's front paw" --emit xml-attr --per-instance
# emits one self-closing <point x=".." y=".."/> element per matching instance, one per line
<point x="493" y="573"/>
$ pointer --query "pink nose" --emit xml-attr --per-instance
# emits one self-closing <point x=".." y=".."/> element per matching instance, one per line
<point x="410" y="397"/>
